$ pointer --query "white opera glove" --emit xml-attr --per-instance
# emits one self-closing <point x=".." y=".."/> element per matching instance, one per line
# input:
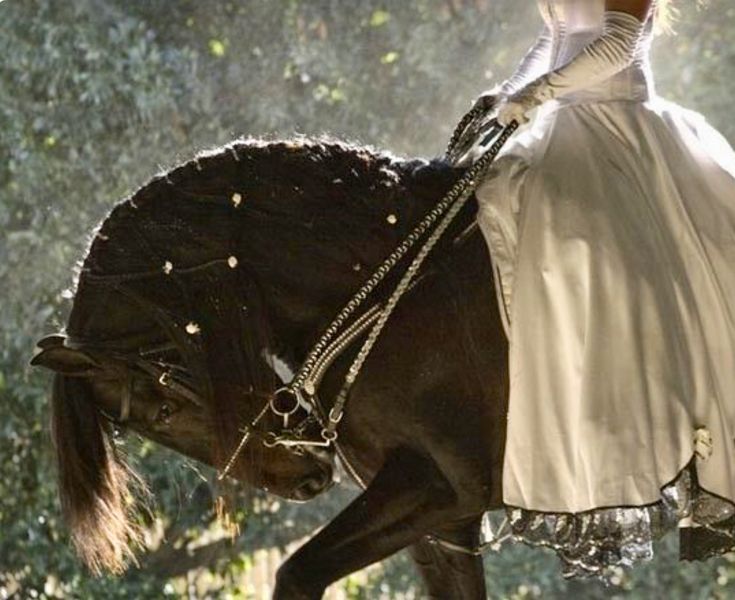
<point x="609" y="53"/>
<point x="535" y="62"/>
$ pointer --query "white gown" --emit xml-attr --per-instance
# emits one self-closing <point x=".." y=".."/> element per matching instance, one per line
<point x="610" y="220"/>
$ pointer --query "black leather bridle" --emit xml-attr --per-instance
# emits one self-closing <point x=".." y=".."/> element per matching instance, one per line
<point x="279" y="404"/>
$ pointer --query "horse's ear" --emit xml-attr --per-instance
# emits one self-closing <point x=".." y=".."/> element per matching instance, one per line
<point x="52" y="354"/>
<point x="55" y="339"/>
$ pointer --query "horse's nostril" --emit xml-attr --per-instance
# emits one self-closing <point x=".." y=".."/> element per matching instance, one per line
<point x="315" y="483"/>
<point x="326" y="476"/>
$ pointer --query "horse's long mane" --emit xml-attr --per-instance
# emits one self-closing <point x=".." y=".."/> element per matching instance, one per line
<point x="188" y="259"/>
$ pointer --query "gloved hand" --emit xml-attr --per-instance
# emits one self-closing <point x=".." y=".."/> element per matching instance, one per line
<point x="488" y="100"/>
<point x="516" y="108"/>
<point x="609" y="53"/>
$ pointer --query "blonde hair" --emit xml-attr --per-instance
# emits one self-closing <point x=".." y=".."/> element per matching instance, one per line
<point x="666" y="14"/>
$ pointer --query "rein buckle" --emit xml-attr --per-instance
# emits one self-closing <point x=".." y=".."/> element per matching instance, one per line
<point x="284" y="403"/>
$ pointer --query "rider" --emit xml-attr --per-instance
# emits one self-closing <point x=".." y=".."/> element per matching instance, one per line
<point x="611" y="226"/>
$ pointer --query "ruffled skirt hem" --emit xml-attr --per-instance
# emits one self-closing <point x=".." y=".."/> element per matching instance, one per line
<point x="599" y="543"/>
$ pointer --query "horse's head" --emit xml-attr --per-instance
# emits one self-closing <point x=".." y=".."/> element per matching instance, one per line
<point x="98" y="392"/>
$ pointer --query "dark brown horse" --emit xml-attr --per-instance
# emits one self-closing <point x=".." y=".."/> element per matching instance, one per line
<point x="194" y="284"/>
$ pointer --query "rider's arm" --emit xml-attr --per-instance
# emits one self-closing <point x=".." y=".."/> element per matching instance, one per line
<point x="535" y="62"/>
<point x="609" y="53"/>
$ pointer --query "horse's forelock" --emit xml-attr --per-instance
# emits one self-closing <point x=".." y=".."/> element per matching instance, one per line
<point x="94" y="481"/>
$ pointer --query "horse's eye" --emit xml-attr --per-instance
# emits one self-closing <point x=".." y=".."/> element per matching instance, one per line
<point x="118" y="432"/>
<point x="164" y="413"/>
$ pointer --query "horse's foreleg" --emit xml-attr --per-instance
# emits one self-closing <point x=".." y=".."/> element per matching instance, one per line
<point x="406" y="499"/>
<point x="449" y="573"/>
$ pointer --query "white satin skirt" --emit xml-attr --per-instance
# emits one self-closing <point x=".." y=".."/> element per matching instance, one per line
<point x="611" y="227"/>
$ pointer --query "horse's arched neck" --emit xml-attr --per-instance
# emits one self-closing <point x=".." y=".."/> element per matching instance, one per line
<point x="297" y="322"/>
<point x="308" y="275"/>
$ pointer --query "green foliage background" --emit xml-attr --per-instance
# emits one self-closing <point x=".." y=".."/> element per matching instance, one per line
<point x="96" y="96"/>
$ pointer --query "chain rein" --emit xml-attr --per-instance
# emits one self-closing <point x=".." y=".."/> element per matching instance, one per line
<point x="320" y="354"/>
